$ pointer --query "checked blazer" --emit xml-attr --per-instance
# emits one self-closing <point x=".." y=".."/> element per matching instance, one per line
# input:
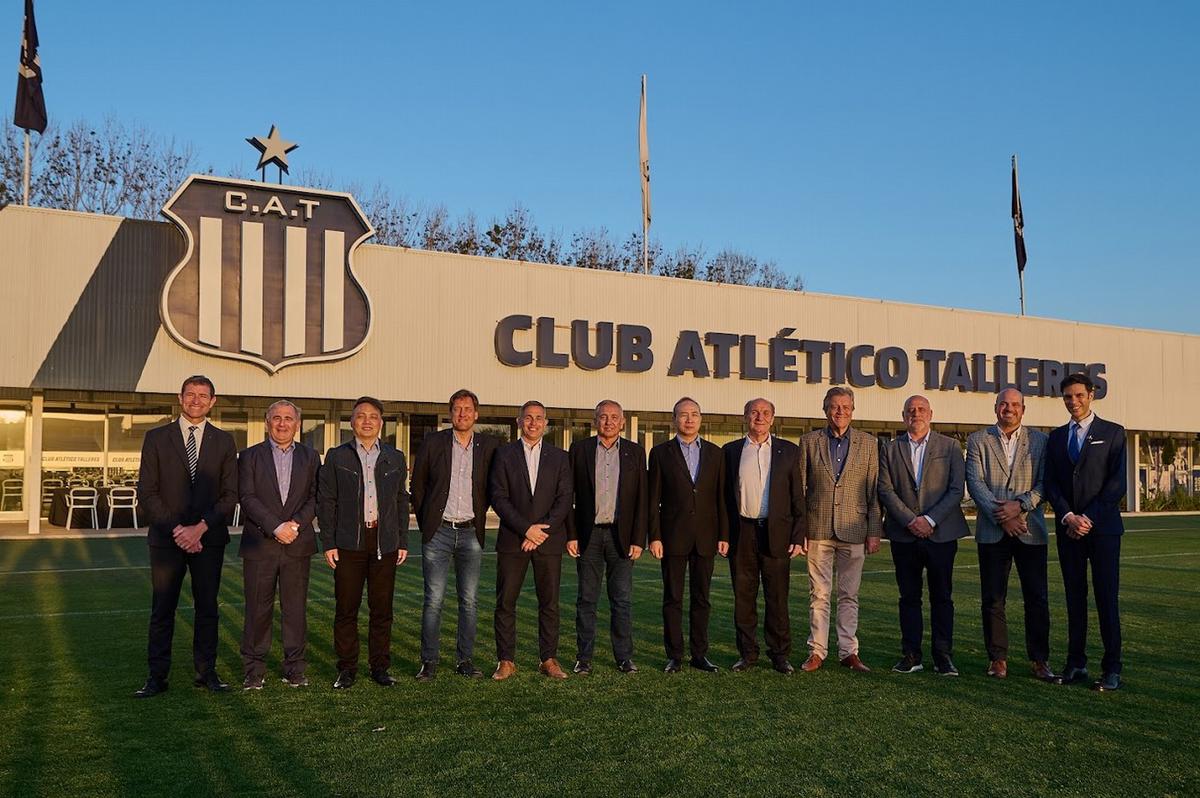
<point x="846" y="508"/>
<point x="990" y="480"/>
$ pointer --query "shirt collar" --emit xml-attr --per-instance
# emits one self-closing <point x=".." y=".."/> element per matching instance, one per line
<point x="751" y="442"/>
<point x="529" y="447"/>
<point x="600" y="444"/>
<point x="829" y="432"/>
<point x="1016" y="433"/>
<point x="916" y="442"/>
<point x="694" y="444"/>
<point x="283" y="450"/>
<point x="467" y="445"/>
<point x="1087" y="421"/>
<point x="359" y="447"/>
<point x="184" y="425"/>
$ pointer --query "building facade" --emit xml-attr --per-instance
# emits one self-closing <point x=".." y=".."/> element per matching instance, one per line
<point x="98" y="312"/>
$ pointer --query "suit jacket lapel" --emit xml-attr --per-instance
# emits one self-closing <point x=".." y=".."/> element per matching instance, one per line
<point x="906" y="456"/>
<point x="676" y="453"/>
<point x="1087" y="442"/>
<point x="1021" y="457"/>
<point x="176" y="436"/>
<point x="589" y="459"/>
<point x="997" y="447"/>
<point x="298" y="464"/>
<point x="823" y="453"/>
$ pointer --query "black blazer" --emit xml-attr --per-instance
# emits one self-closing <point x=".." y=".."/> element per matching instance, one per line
<point x="1095" y="485"/>
<point x="263" y="512"/>
<point x="340" y="498"/>
<point x="785" y="501"/>
<point x="683" y="515"/>
<point x="632" y="489"/>
<point x="431" y="481"/>
<point x="520" y="507"/>
<point x="168" y="495"/>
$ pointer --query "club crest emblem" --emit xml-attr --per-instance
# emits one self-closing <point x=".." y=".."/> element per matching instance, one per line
<point x="268" y="273"/>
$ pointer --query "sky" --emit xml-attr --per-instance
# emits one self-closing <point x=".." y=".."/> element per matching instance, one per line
<point x="863" y="146"/>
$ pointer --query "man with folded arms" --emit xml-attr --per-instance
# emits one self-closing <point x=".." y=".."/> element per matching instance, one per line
<point x="921" y="488"/>
<point x="1005" y="467"/>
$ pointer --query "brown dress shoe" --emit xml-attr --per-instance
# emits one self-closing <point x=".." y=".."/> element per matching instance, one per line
<point x="998" y="669"/>
<point x="504" y="669"/>
<point x="811" y="664"/>
<point x="855" y="664"/>
<point x="1042" y="671"/>
<point x="552" y="669"/>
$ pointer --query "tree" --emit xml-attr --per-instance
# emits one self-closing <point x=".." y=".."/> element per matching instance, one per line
<point x="518" y="238"/>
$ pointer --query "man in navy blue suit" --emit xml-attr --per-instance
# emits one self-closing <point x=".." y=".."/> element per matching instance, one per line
<point x="1085" y="482"/>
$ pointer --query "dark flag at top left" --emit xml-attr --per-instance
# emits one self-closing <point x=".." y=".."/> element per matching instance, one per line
<point x="30" y="112"/>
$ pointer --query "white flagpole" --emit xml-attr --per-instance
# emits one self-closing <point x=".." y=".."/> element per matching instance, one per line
<point x="644" y="170"/>
<point x="25" y="184"/>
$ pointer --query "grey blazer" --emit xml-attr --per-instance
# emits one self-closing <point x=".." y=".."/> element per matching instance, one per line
<point x="990" y="480"/>
<point x="848" y="508"/>
<point x="940" y="495"/>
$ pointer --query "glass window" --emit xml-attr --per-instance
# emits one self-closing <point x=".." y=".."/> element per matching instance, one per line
<point x="72" y="450"/>
<point x="126" y="431"/>
<point x="312" y="433"/>
<point x="235" y="423"/>
<point x="12" y="460"/>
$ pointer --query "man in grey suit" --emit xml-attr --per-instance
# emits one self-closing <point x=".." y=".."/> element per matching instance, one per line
<point x="277" y="485"/>
<point x="1005" y="466"/>
<point x="839" y="472"/>
<point x="921" y="488"/>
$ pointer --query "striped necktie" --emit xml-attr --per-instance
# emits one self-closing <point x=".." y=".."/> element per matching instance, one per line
<point x="193" y="453"/>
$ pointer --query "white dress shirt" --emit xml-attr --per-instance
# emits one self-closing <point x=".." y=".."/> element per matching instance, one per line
<point x="1009" y="443"/>
<point x="754" y="474"/>
<point x="185" y="425"/>
<point x="533" y="456"/>
<point x="916" y="450"/>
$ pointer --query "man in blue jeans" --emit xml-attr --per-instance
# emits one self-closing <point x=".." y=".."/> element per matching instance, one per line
<point x="449" y="496"/>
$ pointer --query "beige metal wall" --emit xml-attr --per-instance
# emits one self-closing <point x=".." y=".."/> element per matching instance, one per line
<point x="435" y="319"/>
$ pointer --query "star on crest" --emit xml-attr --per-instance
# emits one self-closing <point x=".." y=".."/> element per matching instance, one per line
<point x="274" y="149"/>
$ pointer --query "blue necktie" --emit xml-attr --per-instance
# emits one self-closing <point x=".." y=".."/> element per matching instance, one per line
<point x="1073" y="445"/>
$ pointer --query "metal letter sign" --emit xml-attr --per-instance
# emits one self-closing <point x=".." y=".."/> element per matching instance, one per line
<point x="268" y="273"/>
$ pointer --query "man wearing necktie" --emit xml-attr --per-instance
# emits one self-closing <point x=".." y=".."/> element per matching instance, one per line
<point x="277" y="483"/>
<point x="1085" y="482"/>
<point x="187" y="487"/>
<point x="921" y="488"/>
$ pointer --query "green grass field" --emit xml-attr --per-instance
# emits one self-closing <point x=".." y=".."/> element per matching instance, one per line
<point x="73" y="620"/>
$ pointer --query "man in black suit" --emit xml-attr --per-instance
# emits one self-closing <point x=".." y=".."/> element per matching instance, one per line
<point x="530" y="487"/>
<point x="688" y="528"/>
<point x="607" y="532"/>
<point x="1085" y="482"/>
<point x="277" y="482"/>
<point x="187" y="486"/>
<point x="766" y="531"/>
<point x="449" y="496"/>
<point x="362" y="507"/>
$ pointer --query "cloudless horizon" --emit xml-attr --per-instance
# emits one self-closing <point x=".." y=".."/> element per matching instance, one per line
<point x="866" y="148"/>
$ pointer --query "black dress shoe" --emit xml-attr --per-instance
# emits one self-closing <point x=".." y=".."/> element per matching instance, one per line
<point x="1071" y="675"/>
<point x="783" y="666"/>
<point x="468" y="669"/>
<point x="673" y="666"/>
<point x="210" y="681"/>
<point x="703" y="664"/>
<point x="742" y="665"/>
<point x="344" y="681"/>
<point x="626" y="666"/>
<point x="382" y="678"/>
<point x="1107" y="683"/>
<point x="582" y="667"/>
<point x="151" y="688"/>
<point x="427" y="673"/>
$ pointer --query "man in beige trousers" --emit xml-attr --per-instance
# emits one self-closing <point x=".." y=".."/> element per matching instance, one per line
<point x="839" y="470"/>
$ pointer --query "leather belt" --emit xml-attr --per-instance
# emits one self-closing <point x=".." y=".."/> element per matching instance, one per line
<point x="754" y="521"/>
<point x="604" y="526"/>
<point x="371" y="524"/>
<point x="468" y="524"/>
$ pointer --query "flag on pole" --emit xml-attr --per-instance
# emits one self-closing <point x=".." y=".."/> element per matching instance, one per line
<point x="30" y="112"/>
<point x="1018" y="219"/>
<point x="644" y="159"/>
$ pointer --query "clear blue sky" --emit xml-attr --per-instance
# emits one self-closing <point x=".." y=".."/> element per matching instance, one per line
<point x="864" y="146"/>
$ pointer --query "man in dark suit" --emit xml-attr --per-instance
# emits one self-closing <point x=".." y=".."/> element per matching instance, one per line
<point x="688" y="528"/>
<point x="449" y="496"/>
<point x="766" y="531"/>
<point x="187" y="486"/>
<point x="530" y="487"/>
<point x="1085" y="482"/>
<point x="277" y="483"/>
<point x="607" y="532"/>
<point x="362" y="507"/>
<point x="921" y="489"/>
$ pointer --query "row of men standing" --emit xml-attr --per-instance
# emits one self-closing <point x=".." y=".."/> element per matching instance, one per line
<point x="760" y="502"/>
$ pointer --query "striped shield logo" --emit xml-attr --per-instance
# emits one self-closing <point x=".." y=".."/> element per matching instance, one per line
<point x="268" y="272"/>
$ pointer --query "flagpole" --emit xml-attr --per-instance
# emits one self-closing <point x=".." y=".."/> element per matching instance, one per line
<point x="1021" y="281"/>
<point x="643" y="167"/>
<point x="25" y="184"/>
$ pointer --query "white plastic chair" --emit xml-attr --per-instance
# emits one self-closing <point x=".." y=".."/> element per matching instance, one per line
<point x="122" y="499"/>
<point x="83" y="498"/>
<point x="13" y="489"/>
<point x="77" y="482"/>
<point x="48" y="487"/>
